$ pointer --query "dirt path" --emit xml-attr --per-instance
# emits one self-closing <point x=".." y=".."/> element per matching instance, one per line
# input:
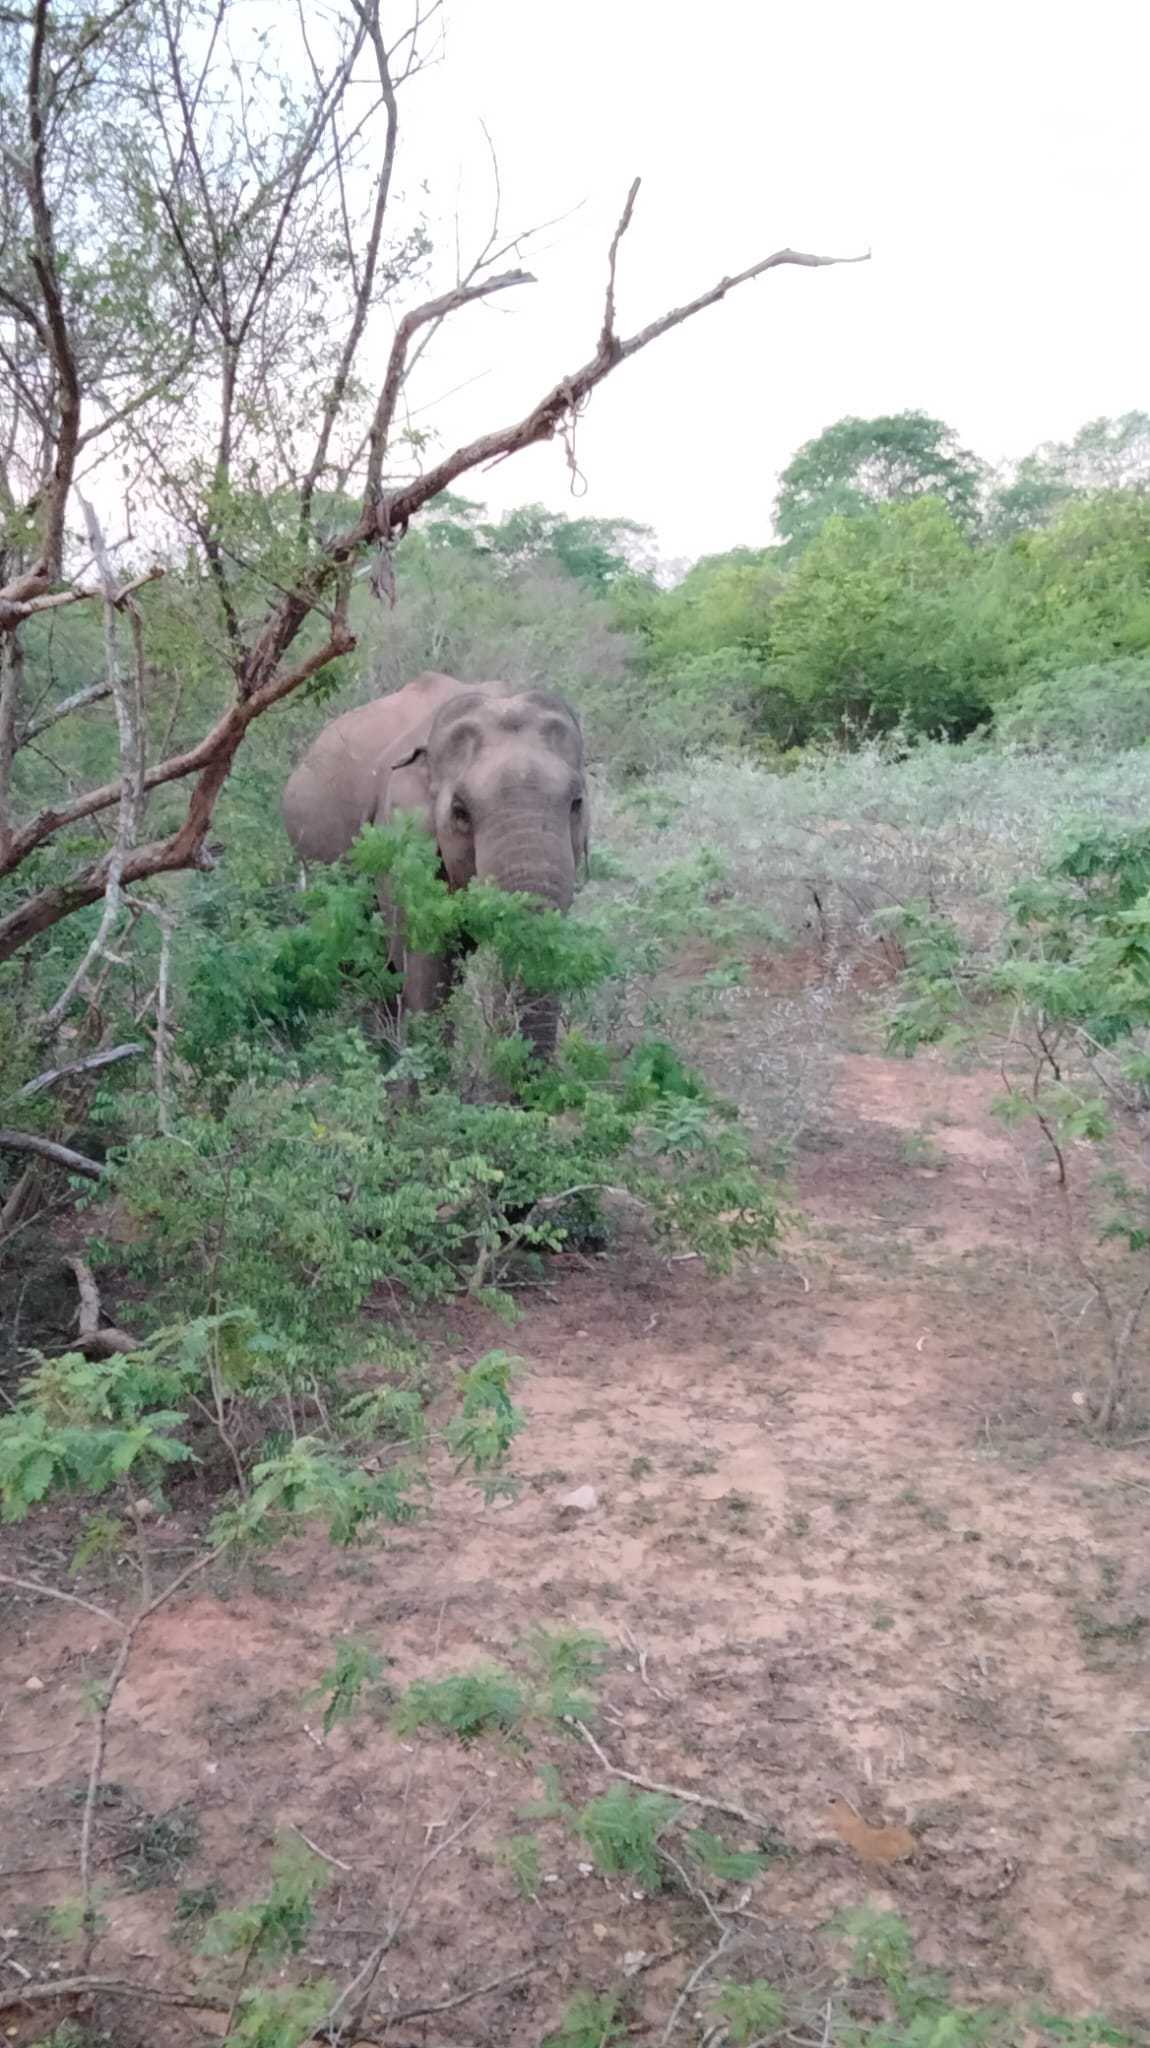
<point x="844" y="1513"/>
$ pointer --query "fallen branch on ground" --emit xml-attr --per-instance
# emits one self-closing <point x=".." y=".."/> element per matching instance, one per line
<point x="753" y="1820"/>
<point x="94" y="1341"/>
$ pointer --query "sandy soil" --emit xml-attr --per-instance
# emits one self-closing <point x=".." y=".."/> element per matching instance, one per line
<point x="849" y="1539"/>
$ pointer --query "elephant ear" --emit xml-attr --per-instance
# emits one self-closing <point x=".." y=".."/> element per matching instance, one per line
<point x="405" y="788"/>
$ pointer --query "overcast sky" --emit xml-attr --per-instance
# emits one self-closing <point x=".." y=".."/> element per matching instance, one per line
<point x="993" y="158"/>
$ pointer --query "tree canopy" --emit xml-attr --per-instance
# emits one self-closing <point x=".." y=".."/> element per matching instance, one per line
<point x="856" y="464"/>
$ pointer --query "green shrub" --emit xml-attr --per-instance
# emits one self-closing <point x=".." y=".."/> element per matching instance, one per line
<point x="468" y="1704"/>
<point x="1099" y="707"/>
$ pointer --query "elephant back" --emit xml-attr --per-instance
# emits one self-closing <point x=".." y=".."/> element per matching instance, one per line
<point x="333" y="791"/>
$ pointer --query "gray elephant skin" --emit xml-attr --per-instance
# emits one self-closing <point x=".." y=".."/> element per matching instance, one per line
<point x="494" y="773"/>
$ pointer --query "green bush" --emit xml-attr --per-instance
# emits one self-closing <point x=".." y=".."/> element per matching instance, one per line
<point x="1098" y="707"/>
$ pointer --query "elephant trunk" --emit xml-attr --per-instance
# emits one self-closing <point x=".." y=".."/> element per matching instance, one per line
<point x="527" y="855"/>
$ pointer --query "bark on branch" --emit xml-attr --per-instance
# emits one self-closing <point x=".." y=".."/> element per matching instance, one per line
<point x="47" y="1148"/>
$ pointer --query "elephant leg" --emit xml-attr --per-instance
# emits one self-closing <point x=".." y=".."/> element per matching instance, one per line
<point x="428" y="979"/>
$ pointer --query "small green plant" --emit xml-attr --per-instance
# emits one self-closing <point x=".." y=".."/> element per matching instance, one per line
<point x="195" y="1906"/>
<point x="260" y="1935"/>
<point x="488" y="1421"/>
<point x="732" y="1866"/>
<point x="356" y="1668"/>
<point x="468" y="1704"/>
<point x="882" y="1951"/>
<point x="751" y="2011"/>
<point x="284" y="2017"/>
<point x="567" y="1661"/>
<point x="520" y="1855"/>
<point x="622" y="1828"/>
<point x="592" y="2020"/>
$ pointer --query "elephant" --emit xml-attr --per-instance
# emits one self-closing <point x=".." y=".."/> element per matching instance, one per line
<point x="495" y="773"/>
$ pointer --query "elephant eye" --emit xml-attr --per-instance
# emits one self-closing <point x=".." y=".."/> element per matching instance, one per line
<point x="460" y="815"/>
<point x="576" y="806"/>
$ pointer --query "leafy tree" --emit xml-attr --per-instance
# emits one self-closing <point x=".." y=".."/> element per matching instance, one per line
<point x="1078" y="591"/>
<point x="595" y="552"/>
<point x="879" y="625"/>
<point x="857" y="464"/>
<point x="1105" y="455"/>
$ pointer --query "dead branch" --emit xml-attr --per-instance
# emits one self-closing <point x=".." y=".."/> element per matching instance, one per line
<point x="89" y="1065"/>
<point x="421" y="2012"/>
<point x="753" y="1820"/>
<point x="14" y="610"/>
<point x="352" y="2000"/>
<point x="106" y="1987"/>
<point x="93" y="693"/>
<point x="94" y="1341"/>
<point x="421" y="316"/>
<point x="54" y="1593"/>
<point x="47" y="1148"/>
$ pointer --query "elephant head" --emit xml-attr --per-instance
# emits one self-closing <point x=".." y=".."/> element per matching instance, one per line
<point x="495" y="774"/>
<point x="500" y="781"/>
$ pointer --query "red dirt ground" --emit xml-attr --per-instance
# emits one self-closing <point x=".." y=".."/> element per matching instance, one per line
<point x="847" y="1515"/>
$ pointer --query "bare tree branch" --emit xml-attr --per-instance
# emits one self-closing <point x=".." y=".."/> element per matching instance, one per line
<point x="92" y="693"/>
<point x="89" y="1065"/>
<point x="47" y="1148"/>
<point x="435" y="309"/>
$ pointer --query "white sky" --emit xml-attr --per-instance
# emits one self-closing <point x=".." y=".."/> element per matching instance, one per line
<point x="994" y="157"/>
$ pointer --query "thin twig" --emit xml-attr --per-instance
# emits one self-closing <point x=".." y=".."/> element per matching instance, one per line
<point x="323" y="1854"/>
<point x="421" y="2012"/>
<point x="753" y="1820"/>
<point x="54" y="1593"/>
<point x="696" y="1977"/>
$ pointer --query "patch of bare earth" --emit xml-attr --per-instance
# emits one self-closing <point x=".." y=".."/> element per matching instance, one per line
<point x="845" y="1515"/>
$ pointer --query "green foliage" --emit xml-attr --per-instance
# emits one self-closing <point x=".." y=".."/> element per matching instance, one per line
<point x="1099" y="707"/>
<point x="488" y="1420"/>
<point x="879" y="626"/>
<point x="1105" y="455"/>
<point x="84" y="1426"/>
<point x="591" y="2020"/>
<point x="732" y="1866"/>
<point x="882" y="1951"/>
<point x="281" y="2018"/>
<point x="857" y="464"/>
<point x="277" y="1925"/>
<point x="622" y="1828"/>
<point x="520" y="1855"/>
<point x="356" y="1668"/>
<point x="567" y="1660"/>
<point x="313" y="1481"/>
<point x="253" y="984"/>
<point x="751" y="2011"/>
<point x="468" y="1704"/>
